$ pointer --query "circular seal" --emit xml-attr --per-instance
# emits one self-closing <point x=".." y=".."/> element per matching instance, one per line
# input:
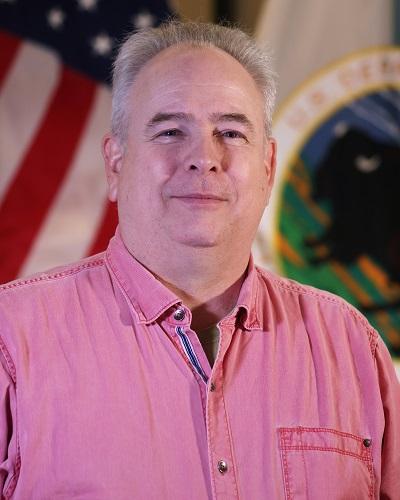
<point x="336" y="208"/>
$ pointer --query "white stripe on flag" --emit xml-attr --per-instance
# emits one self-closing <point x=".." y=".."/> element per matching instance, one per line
<point x="26" y="92"/>
<point x="73" y="219"/>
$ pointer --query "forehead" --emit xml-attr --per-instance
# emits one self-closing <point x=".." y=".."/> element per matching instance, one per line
<point x="195" y="76"/>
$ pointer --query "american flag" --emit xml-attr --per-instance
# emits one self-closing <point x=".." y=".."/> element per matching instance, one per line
<point x="55" y="60"/>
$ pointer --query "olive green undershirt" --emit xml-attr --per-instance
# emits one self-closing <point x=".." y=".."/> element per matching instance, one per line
<point x="209" y="339"/>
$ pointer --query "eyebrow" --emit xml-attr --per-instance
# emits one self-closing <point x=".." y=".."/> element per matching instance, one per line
<point x="164" y="117"/>
<point x="187" y="117"/>
<point x="232" y="117"/>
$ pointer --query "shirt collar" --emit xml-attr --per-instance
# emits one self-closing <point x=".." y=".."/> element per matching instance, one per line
<point x="246" y="309"/>
<point x="150" y="298"/>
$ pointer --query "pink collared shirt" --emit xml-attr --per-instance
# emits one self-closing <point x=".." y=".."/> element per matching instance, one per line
<point x="106" y="393"/>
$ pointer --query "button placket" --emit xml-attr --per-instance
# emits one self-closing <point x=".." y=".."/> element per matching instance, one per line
<point x="189" y="342"/>
<point x="222" y="460"/>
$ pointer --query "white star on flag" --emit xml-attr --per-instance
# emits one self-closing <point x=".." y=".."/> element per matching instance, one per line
<point x="143" y="20"/>
<point x="87" y="4"/>
<point x="102" y="44"/>
<point x="56" y="18"/>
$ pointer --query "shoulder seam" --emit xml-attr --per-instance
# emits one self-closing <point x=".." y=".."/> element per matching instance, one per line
<point x="49" y="277"/>
<point x="294" y="287"/>
<point x="340" y="302"/>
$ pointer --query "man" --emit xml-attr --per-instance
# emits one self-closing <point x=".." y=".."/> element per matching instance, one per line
<point x="170" y="367"/>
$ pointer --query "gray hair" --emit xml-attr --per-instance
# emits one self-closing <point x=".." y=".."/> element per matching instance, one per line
<point x="143" y="45"/>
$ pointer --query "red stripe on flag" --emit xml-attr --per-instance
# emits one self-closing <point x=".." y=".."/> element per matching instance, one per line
<point x="106" y="229"/>
<point x="9" y="48"/>
<point x="43" y="169"/>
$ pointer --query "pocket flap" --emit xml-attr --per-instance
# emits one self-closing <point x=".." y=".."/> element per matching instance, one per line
<point x="322" y="439"/>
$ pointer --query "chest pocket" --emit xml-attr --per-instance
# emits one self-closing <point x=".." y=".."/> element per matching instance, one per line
<point x="325" y="463"/>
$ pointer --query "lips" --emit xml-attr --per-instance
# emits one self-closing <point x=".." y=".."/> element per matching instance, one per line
<point x="200" y="196"/>
<point x="200" y="200"/>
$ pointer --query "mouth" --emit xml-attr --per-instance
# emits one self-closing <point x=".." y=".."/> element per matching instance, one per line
<point x="200" y="199"/>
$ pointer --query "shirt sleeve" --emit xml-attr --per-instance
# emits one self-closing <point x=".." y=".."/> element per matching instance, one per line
<point x="8" y="448"/>
<point x="390" y="393"/>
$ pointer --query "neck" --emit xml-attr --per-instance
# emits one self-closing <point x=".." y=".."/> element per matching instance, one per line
<point x="208" y="303"/>
<point x="207" y="281"/>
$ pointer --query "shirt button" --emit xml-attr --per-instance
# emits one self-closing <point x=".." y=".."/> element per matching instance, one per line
<point x="179" y="314"/>
<point x="222" y="466"/>
<point x="367" y="443"/>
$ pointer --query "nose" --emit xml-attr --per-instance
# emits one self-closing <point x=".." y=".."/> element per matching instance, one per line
<point x="204" y="155"/>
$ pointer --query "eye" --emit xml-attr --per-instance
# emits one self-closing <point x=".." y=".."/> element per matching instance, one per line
<point x="168" y="135"/>
<point x="232" y="135"/>
<point x="173" y="132"/>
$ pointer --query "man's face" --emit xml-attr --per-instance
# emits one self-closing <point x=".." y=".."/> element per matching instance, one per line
<point x="197" y="168"/>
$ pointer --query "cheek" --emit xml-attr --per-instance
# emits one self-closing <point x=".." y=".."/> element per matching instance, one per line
<point x="255" y="189"/>
<point x="143" y="182"/>
<point x="131" y="187"/>
<point x="154" y="164"/>
<point x="253" y="177"/>
<point x="128" y="184"/>
<point x="263" y="185"/>
<point x="264" y="189"/>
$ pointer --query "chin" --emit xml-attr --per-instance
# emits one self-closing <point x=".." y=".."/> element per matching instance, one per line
<point x="200" y="241"/>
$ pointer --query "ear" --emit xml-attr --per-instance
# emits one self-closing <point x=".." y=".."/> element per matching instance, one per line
<point x="270" y="164"/>
<point x="113" y="156"/>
